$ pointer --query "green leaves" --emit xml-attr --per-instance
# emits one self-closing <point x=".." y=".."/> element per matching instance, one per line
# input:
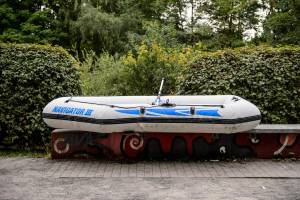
<point x="282" y="25"/>
<point x="268" y="77"/>
<point x="31" y="76"/>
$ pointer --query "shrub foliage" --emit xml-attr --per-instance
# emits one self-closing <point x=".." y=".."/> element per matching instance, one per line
<point x="31" y="76"/>
<point x="136" y="73"/>
<point x="268" y="77"/>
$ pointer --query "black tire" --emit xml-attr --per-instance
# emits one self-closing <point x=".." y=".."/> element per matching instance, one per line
<point x="179" y="149"/>
<point x="153" y="150"/>
<point x="241" y="151"/>
<point x="201" y="149"/>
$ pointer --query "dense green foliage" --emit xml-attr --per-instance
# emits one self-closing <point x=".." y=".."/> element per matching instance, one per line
<point x="140" y="71"/>
<point x="268" y="77"/>
<point x="109" y="25"/>
<point x="231" y="18"/>
<point x="26" y="22"/>
<point x="129" y="75"/>
<point x="282" y="24"/>
<point x="31" y="76"/>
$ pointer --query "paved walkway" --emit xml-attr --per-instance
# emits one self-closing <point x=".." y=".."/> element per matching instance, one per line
<point x="40" y="178"/>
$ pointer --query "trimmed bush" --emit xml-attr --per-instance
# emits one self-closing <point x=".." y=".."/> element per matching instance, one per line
<point x="31" y="76"/>
<point x="268" y="77"/>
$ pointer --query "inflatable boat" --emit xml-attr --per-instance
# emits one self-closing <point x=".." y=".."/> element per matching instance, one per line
<point x="220" y="114"/>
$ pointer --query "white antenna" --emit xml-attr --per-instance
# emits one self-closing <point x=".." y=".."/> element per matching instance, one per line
<point x="157" y="101"/>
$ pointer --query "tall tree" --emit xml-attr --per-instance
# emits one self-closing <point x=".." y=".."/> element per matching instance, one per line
<point x="97" y="30"/>
<point x="176" y="13"/>
<point x="230" y="18"/>
<point x="28" y="21"/>
<point x="104" y="25"/>
<point x="282" y="24"/>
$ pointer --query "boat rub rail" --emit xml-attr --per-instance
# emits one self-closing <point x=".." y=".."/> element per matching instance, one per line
<point x="151" y="119"/>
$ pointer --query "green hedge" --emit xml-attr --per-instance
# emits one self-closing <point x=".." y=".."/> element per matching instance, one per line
<point x="31" y="76"/>
<point x="268" y="77"/>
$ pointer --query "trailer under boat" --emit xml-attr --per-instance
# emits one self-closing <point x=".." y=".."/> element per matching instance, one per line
<point x="264" y="141"/>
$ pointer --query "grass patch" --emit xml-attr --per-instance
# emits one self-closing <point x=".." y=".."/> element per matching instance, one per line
<point x="23" y="153"/>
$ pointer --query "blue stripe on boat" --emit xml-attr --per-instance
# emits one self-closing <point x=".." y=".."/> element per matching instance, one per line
<point x="171" y="112"/>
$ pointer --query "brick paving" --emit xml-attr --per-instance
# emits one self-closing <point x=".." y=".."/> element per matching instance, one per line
<point x="41" y="178"/>
<point x="101" y="168"/>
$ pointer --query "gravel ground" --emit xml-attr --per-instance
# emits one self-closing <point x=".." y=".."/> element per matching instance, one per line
<point x="40" y="178"/>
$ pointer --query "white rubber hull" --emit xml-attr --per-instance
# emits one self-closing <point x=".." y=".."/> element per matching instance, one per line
<point x="189" y="114"/>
